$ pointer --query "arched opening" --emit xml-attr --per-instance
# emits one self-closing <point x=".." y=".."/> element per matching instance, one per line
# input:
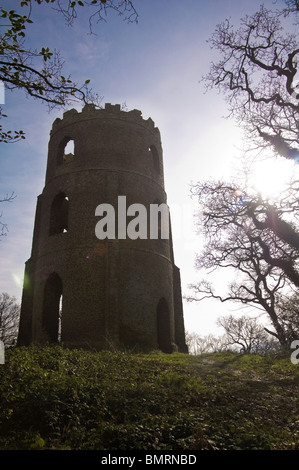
<point x="52" y="309"/>
<point x="66" y="150"/>
<point x="163" y="326"/>
<point x="59" y="214"/>
<point x="155" y="158"/>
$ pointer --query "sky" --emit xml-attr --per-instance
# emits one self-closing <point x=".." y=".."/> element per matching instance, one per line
<point x="154" y="66"/>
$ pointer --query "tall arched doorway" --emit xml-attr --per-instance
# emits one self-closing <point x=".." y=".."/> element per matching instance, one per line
<point x="163" y="326"/>
<point x="52" y="307"/>
<point x="59" y="214"/>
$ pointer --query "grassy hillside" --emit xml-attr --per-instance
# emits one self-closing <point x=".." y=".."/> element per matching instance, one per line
<point x="60" y="399"/>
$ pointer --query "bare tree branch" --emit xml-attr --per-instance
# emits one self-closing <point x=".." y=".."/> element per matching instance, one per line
<point x="3" y="226"/>
<point x="254" y="238"/>
<point x="257" y="73"/>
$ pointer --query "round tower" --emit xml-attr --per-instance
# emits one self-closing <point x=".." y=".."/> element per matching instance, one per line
<point x="85" y="289"/>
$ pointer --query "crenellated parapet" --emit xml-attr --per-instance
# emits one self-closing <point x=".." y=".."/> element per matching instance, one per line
<point x="90" y="111"/>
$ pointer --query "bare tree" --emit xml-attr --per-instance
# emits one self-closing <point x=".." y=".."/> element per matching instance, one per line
<point x="238" y="236"/>
<point x="9" y="319"/>
<point x="3" y="225"/>
<point x="288" y="314"/>
<point x="257" y="73"/>
<point x="204" y="344"/>
<point x="281" y="216"/>
<point x="244" y="332"/>
<point x="255" y="237"/>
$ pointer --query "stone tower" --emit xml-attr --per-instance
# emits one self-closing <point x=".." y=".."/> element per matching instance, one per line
<point x="88" y="292"/>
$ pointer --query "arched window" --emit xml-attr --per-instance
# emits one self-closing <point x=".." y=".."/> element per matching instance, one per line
<point x="66" y="150"/>
<point x="59" y="214"/>
<point x="155" y="158"/>
<point x="163" y="326"/>
<point x="52" y="309"/>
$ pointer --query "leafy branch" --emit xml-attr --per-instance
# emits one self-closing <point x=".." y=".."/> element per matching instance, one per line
<point x="39" y="73"/>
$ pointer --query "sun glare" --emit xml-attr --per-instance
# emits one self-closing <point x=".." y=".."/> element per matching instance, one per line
<point x="270" y="177"/>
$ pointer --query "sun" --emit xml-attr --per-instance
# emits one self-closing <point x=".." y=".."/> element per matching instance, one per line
<point x="271" y="176"/>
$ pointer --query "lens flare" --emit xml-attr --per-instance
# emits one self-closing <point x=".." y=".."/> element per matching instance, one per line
<point x="17" y="279"/>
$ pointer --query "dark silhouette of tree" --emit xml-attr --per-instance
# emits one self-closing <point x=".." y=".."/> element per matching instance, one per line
<point x="244" y="332"/>
<point x="257" y="74"/>
<point x="288" y="314"/>
<point x="239" y="236"/>
<point x="256" y="237"/>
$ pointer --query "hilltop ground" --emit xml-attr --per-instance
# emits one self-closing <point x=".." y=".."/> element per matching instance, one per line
<point x="53" y="398"/>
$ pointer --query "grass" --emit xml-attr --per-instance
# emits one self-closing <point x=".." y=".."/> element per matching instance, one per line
<point x="54" y="398"/>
